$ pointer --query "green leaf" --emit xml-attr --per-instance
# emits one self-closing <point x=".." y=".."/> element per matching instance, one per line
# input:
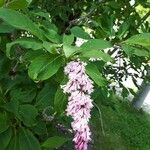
<point x="4" y="69"/>
<point x="79" y="32"/>
<point x="53" y="36"/>
<point x="2" y="98"/>
<point x="92" y="49"/>
<point x="123" y="29"/>
<point x="54" y="142"/>
<point x="96" y="54"/>
<point x="94" y="73"/>
<point x="42" y="68"/>
<point x="130" y="50"/>
<point x="5" y="138"/>
<point x="9" y="84"/>
<point x="31" y="55"/>
<point x="27" y="43"/>
<point x="50" y="25"/>
<point x="70" y="50"/>
<point x="142" y="39"/>
<point x="20" y="21"/>
<point x="28" y="114"/>
<point x="29" y="1"/>
<point x="60" y="101"/>
<point x="3" y="122"/>
<point x="50" y="47"/>
<point x="45" y="97"/>
<point x="67" y="47"/>
<point x="41" y="14"/>
<point x="17" y="4"/>
<point x="5" y="28"/>
<point x="127" y="49"/>
<point x="27" y="141"/>
<point x="23" y="96"/>
<point x="68" y="39"/>
<point x="14" y="143"/>
<point x="2" y="2"/>
<point x="95" y="44"/>
<point x="40" y="128"/>
<point x="141" y="52"/>
<point x="114" y="5"/>
<point x="12" y="106"/>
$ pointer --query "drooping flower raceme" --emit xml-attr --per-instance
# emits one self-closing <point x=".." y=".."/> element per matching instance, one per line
<point x="79" y="87"/>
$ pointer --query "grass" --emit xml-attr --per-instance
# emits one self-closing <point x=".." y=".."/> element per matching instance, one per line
<point x="125" y="128"/>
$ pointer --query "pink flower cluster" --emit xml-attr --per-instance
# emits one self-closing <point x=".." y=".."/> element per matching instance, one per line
<point x="80" y="104"/>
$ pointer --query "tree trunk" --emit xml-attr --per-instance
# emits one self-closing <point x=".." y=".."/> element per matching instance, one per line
<point x="142" y="94"/>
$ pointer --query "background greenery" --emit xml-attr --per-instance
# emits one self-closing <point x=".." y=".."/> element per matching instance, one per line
<point x="125" y="128"/>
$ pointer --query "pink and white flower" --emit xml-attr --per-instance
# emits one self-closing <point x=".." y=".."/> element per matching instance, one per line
<point x="79" y="87"/>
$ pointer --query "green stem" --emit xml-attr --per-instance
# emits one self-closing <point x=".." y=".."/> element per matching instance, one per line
<point x="100" y="117"/>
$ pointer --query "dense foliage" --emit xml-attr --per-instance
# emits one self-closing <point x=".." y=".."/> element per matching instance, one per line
<point x="37" y="39"/>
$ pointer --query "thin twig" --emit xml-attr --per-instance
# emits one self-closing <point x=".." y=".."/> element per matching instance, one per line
<point x="76" y="21"/>
<point x="143" y="19"/>
<point x="100" y="117"/>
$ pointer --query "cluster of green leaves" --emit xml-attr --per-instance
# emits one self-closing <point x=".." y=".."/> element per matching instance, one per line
<point x="37" y="39"/>
<point x="23" y="125"/>
<point x="43" y="57"/>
